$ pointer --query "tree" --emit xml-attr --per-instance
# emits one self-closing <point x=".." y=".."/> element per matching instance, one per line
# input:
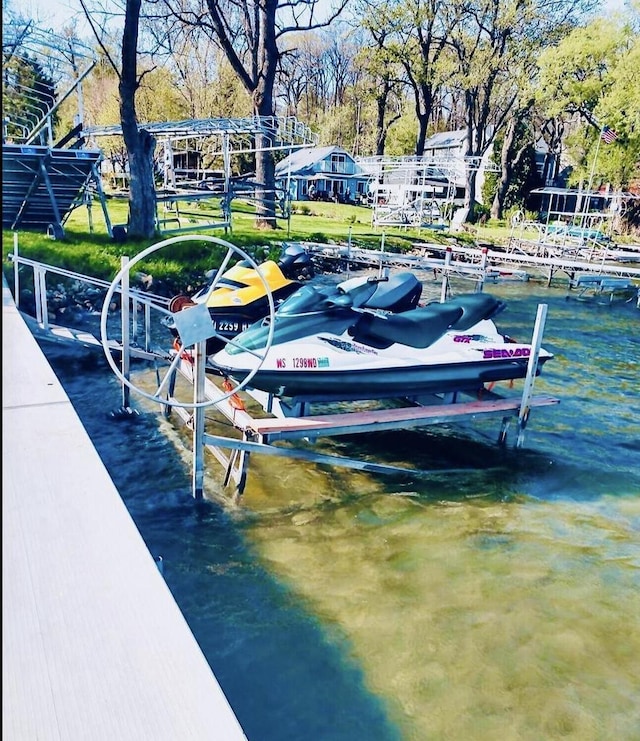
<point x="423" y="33"/>
<point x="251" y="33"/>
<point x="140" y="144"/>
<point x="492" y="45"/>
<point x="379" y="60"/>
<point x="590" y="80"/>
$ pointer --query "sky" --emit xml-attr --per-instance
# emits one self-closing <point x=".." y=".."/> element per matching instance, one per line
<point x="56" y="14"/>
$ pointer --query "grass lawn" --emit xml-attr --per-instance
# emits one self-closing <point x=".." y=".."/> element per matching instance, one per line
<point x="88" y="249"/>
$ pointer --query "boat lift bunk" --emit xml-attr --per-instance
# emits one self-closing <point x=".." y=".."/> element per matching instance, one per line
<point x="603" y="289"/>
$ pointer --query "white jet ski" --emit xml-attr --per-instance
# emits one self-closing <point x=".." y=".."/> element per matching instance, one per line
<point x="328" y="343"/>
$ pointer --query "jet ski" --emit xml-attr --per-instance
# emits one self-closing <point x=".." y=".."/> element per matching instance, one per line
<point x="328" y="345"/>
<point x="238" y="298"/>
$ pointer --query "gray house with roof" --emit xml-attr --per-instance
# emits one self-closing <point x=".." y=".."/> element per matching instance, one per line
<point x="323" y="173"/>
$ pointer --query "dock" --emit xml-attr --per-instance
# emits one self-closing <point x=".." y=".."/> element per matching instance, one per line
<point x="94" y="644"/>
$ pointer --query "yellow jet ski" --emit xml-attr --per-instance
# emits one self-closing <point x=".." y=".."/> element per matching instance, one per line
<point x="240" y="299"/>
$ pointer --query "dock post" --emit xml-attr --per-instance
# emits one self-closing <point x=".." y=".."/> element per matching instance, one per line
<point x="532" y="367"/>
<point x="444" y="290"/>
<point x="483" y="270"/>
<point x="16" y="270"/>
<point x="197" y="474"/>
<point x="40" y="295"/>
<point x="124" y="311"/>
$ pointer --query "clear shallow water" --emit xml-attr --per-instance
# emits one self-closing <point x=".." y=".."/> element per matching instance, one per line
<point x="499" y="603"/>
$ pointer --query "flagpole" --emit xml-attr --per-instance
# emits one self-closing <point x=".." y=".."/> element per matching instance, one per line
<point x="591" y="176"/>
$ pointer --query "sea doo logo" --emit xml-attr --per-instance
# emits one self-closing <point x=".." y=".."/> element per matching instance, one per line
<point x="496" y="353"/>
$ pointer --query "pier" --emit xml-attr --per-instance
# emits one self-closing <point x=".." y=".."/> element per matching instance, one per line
<point x="94" y="644"/>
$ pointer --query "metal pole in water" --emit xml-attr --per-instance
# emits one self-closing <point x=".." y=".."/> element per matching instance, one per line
<point x="532" y="367"/>
<point x="197" y="474"/>
<point x="483" y="269"/>
<point x="124" y="305"/>
<point x="445" y="275"/>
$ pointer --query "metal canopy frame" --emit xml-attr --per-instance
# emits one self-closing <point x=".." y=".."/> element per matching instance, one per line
<point x="65" y="60"/>
<point x="218" y="138"/>
<point x="284" y="132"/>
<point x="418" y="191"/>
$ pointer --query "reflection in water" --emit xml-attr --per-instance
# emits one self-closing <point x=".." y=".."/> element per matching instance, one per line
<point x="500" y="603"/>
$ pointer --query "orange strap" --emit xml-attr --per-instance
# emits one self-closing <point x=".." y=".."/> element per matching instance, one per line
<point x="235" y="401"/>
<point x="184" y="354"/>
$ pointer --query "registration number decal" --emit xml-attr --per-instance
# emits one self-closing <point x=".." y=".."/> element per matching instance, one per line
<point x="302" y="363"/>
<point x="224" y="325"/>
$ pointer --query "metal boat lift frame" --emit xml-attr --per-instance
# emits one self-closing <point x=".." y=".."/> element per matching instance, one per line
<point x="260" y="434"/>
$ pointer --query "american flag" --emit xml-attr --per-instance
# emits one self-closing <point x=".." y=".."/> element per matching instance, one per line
<point x="608" y="135"/>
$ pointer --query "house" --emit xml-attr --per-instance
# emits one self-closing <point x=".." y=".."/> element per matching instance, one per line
<point x="322" y="173"/>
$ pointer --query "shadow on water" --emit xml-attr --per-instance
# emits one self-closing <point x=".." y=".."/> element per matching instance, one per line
<point x="455" y="467"/>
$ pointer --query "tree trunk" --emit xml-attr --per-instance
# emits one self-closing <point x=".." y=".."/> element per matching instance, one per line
<point x="139" y="143"/>
<point x="264" y="107"/>
<point x="381" y="131"/>
<point x="142" y="189"/>
<point x="506" y="172"/>
<point x="265" y="191"/>
<point x="471" y="173"/>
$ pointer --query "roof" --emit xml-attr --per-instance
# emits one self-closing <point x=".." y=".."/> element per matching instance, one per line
<point x="446" y="139"/>
<point x="302" y="162"/>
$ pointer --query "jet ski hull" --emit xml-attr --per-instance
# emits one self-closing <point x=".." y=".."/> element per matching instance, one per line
<point x="335" y="352"/>
<point x="384" y="383"/>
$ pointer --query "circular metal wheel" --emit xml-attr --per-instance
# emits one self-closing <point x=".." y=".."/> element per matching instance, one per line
<point x="166" y="380"/>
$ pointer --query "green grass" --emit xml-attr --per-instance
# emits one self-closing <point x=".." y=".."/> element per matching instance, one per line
<point x="90" y="251"/>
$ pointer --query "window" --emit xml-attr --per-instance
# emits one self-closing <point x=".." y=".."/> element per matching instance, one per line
<point x="338" y="163"/>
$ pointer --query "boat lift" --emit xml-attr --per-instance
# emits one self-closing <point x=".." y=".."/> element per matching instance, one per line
<point x="284" y="423"/>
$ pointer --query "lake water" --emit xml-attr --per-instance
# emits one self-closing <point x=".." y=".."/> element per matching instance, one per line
<point x="498" y="603"/>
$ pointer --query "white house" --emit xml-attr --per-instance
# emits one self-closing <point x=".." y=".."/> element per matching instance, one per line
<point x="323" y="173"/>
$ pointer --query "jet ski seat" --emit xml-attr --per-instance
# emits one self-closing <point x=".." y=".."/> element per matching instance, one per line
<point x="475" y="307"/>
<point x="400" y="292"/>
<point x="416" y="328"/>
